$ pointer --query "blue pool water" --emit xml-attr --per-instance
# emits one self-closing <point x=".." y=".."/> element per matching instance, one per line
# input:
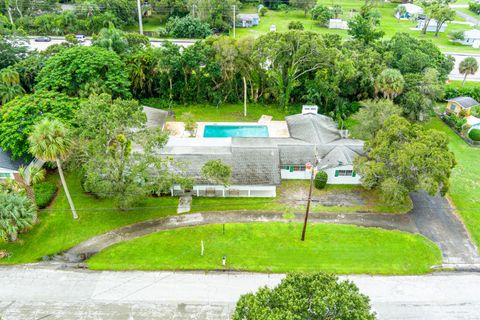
<point x="226" y="131"/>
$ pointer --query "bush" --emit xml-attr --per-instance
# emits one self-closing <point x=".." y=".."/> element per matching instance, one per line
<point x="188" y="27"/>
<point x="474" y="134"/>
<point x="263" y="11"/>
<point x="295" y="25"/>
<point x="17" y="213"/>
<point x="321" y="179"/>
<point x="44" y="193"/>
<point x="474" y="7"/>
<point x="452" y="92"/>
<point x="455" y="121"/>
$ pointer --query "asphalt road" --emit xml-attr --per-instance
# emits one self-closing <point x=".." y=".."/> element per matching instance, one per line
<point x="38" y="293"/>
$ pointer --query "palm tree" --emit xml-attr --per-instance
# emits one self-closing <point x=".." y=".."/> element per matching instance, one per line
<point x="468" y="66"/>
<point x="30" y="177"/>
<point x="390" y="82"/>
<point x="9" y="85"/>
<point x="50" y="141"/>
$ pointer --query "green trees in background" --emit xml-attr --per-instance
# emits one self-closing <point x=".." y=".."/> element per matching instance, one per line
<point x="18" y="117"/>
<point x="403" y="157"/>
<point x="305" y="296"/>
<point x="81" y="71"/>
<point x="187" y="27"/>
<point x="363" y="26"/>
<point x="9" y="85"/>
<point x="372" y="116"/>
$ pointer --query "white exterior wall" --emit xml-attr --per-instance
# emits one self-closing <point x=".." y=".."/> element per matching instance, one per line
<point x="295" y="175"/>
<point x="254" y="191"/>
<point x="341" y="180"/>
<point x="11" y="172"/>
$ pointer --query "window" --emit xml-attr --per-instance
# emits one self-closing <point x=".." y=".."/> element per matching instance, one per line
<point x="293" y="167"/>
<point x="4" y="175"/>
<point x="345" y="173"/>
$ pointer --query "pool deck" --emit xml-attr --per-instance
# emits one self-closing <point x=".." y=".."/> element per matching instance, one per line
<point x="276" y="129"/>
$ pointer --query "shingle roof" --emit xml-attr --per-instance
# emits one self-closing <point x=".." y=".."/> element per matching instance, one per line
<point x="247" y="16"/>
<point x="465" y="102"/>
<point x="254" y="161"/>
<point x="338" y="156"/>
<point x="313" y="128"/>
<point x="6" y="161"/>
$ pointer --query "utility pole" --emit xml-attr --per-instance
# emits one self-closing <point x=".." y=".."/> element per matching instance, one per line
<point x="234" y="20"/>
<point x="308" y="201"/>
<point x="193" y="10"/>
<point x="140" y="23"/>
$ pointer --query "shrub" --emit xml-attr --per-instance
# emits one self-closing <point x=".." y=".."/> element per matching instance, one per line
<point x="455" y="121"/>
<point x="189" y="121"/>
<point x="263" y="11"/>
<point x="474" y="134"/>
<point x="295" y="25"/>
<point x="188" y="27"/>
<point x="17" y="213"/>
<point x="452" y="92"/>
<point x="321" y="179"/>
<point x="44" y="193"/>
<point x="474" y="7"/>
<point x="457" y="35"/>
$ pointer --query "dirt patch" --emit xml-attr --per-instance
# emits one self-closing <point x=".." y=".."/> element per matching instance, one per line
<point x="326" y="198"/>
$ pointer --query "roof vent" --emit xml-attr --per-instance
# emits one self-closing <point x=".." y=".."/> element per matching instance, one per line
<point x="309" y="109"/>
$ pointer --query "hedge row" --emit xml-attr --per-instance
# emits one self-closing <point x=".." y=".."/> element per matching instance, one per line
<point x="44" y="193"/>
<point x="452" y="92"/>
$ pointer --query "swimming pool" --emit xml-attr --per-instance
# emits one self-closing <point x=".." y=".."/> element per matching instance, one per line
<point x="226" y="131"/>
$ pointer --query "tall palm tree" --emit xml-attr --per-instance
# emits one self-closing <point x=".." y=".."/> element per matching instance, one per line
<point x="9" y="85"/>
<point x="468" y="66"/>
<point x="50" y="141"/>
<point x="390" y="82"/>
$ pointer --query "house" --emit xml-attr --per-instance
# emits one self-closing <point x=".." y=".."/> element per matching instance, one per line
<point x="259" y="164"/>
<point x="9" y="167"/>
<point x="411" y="11"/>
<point x="471" y="38"/>
<point x="247" y="20"/>
<point x="432" y="25"/>
<point x="461" y="105"/>
<point x="337" y="24"/>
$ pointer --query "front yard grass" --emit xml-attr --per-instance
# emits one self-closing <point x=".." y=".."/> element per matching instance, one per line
<point x="275" y="247"/>
<point x="57" y="231"/>
<point x="465" y="179"/>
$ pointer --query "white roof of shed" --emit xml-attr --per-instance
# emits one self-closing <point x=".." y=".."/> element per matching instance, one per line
<point x="472" y="34"/>
<point x="412" y="8"/>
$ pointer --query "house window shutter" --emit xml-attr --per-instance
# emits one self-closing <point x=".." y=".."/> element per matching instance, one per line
<point x="354" y="174"/>
<point x="337" y="173"/>
<point x="291" y="168"/>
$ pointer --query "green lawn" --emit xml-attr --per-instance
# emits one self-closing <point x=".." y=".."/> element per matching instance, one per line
<point x="465" y="180"/>
<point x="224" y="112"/>
<point x="389" y="24"/>
<point x="57" y="231"/>
<point x="275" y="247"/>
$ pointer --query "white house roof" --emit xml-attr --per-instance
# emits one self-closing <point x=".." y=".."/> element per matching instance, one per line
<point x="247" y="16"/>
<point x="472" y="34"/>
<point x="412" y="8"/>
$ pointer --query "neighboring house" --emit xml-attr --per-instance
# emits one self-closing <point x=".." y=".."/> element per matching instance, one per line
<point x="245" y="20"/>
<point x="471" y="38"/>
<point x="411" y="11"/>
<point x="432" y="25"/>
<point x="337" y="24"/>
<point x="259" y="164"/>
<point x="9" y="167"/>
<point x="461" y="105"/>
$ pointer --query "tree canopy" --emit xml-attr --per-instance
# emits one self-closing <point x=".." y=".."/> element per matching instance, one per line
<point x="81" y="71"/>
<point x="403" y="157"/>
<point x="305" y="296"/>
<point x="18" y="117"/>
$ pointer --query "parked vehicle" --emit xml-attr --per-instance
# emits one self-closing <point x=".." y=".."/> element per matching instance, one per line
<point x="80" y="37"/>
<point x="43" y="39"/>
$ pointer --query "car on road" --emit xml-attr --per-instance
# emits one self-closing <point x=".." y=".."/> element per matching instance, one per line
<point x="80" y="37"/>
<point x="43" y="39"/>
